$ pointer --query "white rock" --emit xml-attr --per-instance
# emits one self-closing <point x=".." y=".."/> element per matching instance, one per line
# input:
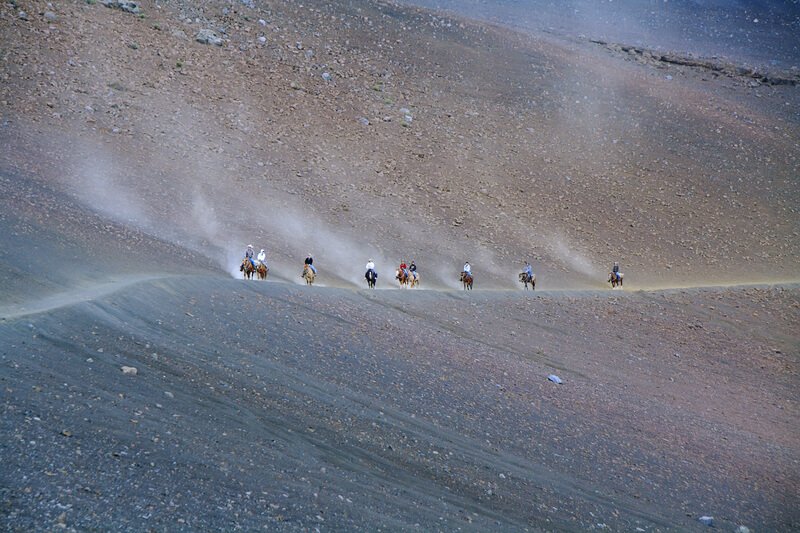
<point x="130" y="370"/>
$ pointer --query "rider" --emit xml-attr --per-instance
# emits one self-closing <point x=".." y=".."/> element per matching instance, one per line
<point x="310" y="262"/>
<point x="404" y="268"/>
<point x="528" y="270"/>
<point x="615" y="270"/>
<point x="467" y="268"/>
<point x="371" y="266"/>
<point x="262" y="257"/>
<point x="248" y="254"/>
<point x="413" y="269"/>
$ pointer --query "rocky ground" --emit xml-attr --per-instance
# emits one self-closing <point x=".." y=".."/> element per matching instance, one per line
<point x="261" y="405"/>
<point x="143" y="388"/>
<point x="360" y="129"/>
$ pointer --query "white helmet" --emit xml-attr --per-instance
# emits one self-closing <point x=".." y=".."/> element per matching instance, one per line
<point x="249" y="245"/>
<point x="262" y="249"/>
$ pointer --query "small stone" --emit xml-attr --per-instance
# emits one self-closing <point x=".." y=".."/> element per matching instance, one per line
<point x="130" y="370"/>
<point x="262" y="39"/>
<point x="22" y="15"/>
<point x="130" y="7"/>
<point x="364" y="121"/>
<point x="555" y="379"/>
<point x="262" y="22"/>
<point x="168" y="394"/>
<point x="742" y="529"/>
<point x="707" y="520"/>
<point x="206" y="36"/>
<point x="49" y="16"/>
<point x="327" y="76"/>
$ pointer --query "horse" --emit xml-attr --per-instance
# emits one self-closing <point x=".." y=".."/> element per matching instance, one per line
<point x="526" y="279"/>
<point x="372" y="277"/>
<point x="401" y="276"/>
<point x="247" y="269"/>
<point x="308" y="275"/>
<point x="466" y="279"/>
<point x="262" y="270"/>
<point x="413" y="279"/>
<point x="612" y="279"/>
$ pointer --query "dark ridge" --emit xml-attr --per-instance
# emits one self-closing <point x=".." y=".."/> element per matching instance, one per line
<point x="653" y="57"/>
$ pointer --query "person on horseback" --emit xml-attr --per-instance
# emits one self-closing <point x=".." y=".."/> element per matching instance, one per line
<point x="310" y="262"/>
<point x="262" y="257"/>
<point x="404" y="268"/>
<point x="467" y="268"/>
<point x="615" y="270"/>
<point x="371" y="266"/>
<point x="413" y="269"/>
<point x="248" y="254"/>
<point x="528" y="270"/>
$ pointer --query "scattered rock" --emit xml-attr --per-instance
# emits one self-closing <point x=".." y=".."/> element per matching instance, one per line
<point x="327" y="76"/>
<point x="742" y="529"/>
<point x="707" y="520"/>
<point x="124" y="5"/>
<point x="130" y="370"/>
<point x="262" y="39"/>
<point x="364" y="121"/>
<point x="179" y="34"/>
<point x="262" y="22"/>
<point x="22" y="15"/>
<point x="49" y="16"/>
<point x="206" y="36"/>
<point x="555" y="379"/>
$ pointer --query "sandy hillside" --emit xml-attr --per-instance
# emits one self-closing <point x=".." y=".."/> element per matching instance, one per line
<point x="363" y="129"/>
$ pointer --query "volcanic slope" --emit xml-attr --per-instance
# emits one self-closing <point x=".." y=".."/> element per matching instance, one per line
<point x="137" y="163"/>
<point x="358" y="129"/>
<point x="293" y="408"/>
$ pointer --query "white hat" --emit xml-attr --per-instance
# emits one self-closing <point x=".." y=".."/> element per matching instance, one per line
<point x="249" y="245"/>
<point x="262" y="249"/>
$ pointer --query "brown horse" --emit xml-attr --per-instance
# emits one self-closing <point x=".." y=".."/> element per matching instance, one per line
<point x="262" y="270"/>
<point x="466" y="279"/>
<point x="413" y="279"/>
<point x="247" y="269"/>
<point x="308" y="275"/>
<point x="612" y="279"/>
<point x="526" y="279"/>
<point x="401" y="276"/>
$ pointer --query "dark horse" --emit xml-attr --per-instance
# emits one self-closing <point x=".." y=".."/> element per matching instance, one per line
<point x="262" y="270"/>
<point x="372" y="277"/>
<point x="612" y="279"/>
<point x="247" y="269"/>
<point x="466" y="279"/>
<point x="526" y="279"/>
